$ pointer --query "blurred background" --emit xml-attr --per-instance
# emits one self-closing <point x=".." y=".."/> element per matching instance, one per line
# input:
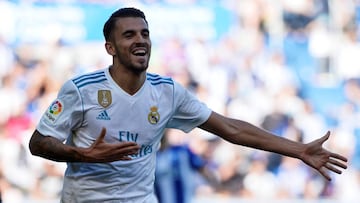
<point x="289" y="66"/>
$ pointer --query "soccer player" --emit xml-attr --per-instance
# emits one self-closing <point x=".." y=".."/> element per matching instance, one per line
<point x="107" y="125"/>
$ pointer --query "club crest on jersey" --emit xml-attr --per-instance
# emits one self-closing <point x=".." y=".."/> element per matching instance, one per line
<point x="153" y="116"/>
<point x="104" y="98"/>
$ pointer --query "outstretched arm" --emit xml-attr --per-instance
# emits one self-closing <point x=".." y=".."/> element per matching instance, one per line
<point x="245" y="134"/>
<point x="51" y="148"/>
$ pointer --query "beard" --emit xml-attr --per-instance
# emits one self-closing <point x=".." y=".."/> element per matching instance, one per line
<point x="133" y="64"/>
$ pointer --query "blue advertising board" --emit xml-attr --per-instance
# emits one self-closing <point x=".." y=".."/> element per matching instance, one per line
<point x="84" y="22"/>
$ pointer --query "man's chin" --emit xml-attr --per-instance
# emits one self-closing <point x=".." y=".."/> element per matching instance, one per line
<point x="139" y="68"/>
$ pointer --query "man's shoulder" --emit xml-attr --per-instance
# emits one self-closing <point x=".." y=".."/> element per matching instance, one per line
<point x="88" y="78"/>
<point x="156" y="79"/>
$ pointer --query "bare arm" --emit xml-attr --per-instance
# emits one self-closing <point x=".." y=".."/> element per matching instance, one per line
<point x="51" y="148"/>
<point x="245" y="134"/>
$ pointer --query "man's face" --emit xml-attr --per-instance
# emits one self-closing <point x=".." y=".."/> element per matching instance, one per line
<point x="132" y="43"/>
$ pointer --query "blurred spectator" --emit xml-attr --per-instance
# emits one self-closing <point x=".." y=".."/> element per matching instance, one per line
<point x="259" y="183"/>
<point x="275" y="122"/>
<point x="231" y="168"/>
<point x="310" y="122"/>
<point x="177" y="168"/>
<point x="8" y="58"/>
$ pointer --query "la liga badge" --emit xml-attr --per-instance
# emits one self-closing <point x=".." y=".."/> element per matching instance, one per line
<point x="54" y="110"/>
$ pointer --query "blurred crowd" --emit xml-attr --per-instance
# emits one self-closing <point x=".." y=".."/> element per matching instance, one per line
<point x="290" y="67"/>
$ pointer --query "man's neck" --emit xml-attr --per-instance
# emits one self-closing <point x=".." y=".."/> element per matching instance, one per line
<point x="128" y="80"/>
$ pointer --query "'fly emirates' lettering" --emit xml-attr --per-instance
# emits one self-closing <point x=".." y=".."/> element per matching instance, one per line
<point x="126" y="136"/>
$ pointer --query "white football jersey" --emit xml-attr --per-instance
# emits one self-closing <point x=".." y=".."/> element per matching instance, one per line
<point x="87" y="103"/>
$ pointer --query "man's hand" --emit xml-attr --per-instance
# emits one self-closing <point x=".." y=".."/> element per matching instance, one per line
<point x="321" y="159"/>
<point x="100" y="151"/>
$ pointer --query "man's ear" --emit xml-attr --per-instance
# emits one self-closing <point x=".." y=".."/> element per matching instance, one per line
<point x="110" y="48"/>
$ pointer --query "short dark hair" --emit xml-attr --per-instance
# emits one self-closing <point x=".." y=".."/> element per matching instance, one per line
<point x="121" y="13"/>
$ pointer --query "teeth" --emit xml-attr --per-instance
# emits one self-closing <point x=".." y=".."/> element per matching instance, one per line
<point x="139" y="52"/>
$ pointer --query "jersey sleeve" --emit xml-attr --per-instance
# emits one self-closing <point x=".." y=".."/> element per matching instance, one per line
<point x="189" y="111"/>
<point x="64" y="114"/>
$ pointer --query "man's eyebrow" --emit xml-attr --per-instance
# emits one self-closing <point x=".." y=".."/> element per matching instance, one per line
<point x="133" y="31"/>
<point x="128" y="32"/>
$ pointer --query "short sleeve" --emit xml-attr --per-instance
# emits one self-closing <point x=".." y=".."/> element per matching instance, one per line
<point x="189" y="111"/>
<point x="64" y="114"/>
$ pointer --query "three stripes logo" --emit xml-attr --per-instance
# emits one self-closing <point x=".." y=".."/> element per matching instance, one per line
<point x="103" y="115"/>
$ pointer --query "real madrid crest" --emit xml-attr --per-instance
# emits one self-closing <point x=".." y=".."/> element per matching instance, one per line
<point x="153" y="116"/>
<point x="104" y="98"/>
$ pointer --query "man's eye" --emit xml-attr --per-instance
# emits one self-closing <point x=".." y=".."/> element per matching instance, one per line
<point x="146" y="34"/>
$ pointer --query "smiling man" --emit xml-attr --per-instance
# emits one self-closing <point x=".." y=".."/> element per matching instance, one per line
<point x="107" y="125"/>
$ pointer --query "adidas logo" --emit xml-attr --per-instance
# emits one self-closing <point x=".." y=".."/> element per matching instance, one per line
<point x="103" y="116"/>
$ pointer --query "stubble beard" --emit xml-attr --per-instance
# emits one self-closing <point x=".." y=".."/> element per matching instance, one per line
<point x="132" y="67"/>
<point x="137" y="69"/>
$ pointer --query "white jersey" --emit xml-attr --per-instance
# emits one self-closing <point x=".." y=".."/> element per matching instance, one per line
<point x="89" y="102"/>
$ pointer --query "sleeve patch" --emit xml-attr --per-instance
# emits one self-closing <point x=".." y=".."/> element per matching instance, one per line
<point x="54" y="111"/>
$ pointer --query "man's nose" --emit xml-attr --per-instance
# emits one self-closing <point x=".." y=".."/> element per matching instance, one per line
<point x="139" y="38"/>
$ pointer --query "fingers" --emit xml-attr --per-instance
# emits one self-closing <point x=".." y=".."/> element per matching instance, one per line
<point x="102" y="151"/>
<point x="338" y="163"/>
<point x="128" y="147"/>
<point x="325" y="137"/>
<point x="337" y="156"/>
<point x="333" y="165"/>
<point x="324" y="173"/>
<point x="125" y="158"/>
<point x="101" y="137"/>
<point x="102" y="134"/>
<point x="120" y="151"/>
<point x="332" y="168"/>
